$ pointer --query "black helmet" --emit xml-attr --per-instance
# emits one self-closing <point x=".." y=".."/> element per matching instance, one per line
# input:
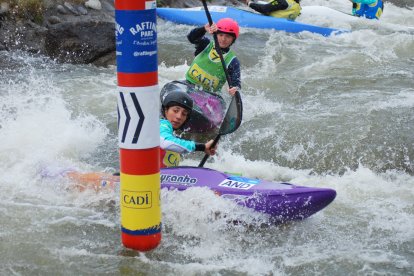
<point x="178" y="98"/>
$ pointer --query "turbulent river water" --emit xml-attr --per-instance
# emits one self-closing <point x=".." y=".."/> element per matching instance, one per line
<point x="319" y="111"/>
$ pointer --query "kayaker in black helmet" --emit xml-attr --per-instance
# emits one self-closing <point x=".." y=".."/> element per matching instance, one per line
<point x="176" y="108"/>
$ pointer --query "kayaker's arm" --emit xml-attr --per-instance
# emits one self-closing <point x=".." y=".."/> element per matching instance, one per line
<point x="196" y="34"/>
<point x="168" y="141"/>
<point x="197" y="37"/>
<point x="208" y="147"/>
<point x="367" y="2"/>
<point x="200" y="147"/>
<point x="268" y="8"/>
<point x="234" y="73"/>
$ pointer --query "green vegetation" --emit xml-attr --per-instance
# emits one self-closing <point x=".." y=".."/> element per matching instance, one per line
<point x="32" y="9"/>
<point x="27" y="9"/>
<point x="78" y="2"/>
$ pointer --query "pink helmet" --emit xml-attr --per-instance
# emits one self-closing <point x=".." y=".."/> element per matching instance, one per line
<point x="228" y="25"/>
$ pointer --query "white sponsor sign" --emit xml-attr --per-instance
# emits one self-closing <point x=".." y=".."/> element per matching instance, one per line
<point x="236" y="184"/>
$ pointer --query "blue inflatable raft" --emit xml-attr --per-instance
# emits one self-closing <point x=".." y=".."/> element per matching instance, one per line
<point x="197" y="17"/>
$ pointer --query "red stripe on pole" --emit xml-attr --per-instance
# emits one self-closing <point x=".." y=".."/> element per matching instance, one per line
<point x="140" y="161"/>
<point x="141" y="243"/>
<point x="137" y="79"/>
<point x="130" y="5"/>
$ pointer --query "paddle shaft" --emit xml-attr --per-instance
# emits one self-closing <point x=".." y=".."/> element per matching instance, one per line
<point x="203" y="161"/>
<point x="219" y="52"/>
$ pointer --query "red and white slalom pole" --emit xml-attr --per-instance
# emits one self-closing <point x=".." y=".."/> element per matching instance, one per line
<point x="138" y="123"/>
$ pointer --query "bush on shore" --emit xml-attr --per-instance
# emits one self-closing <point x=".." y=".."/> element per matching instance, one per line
<point x="31" y="9"/>
<point x="26" y="9"/>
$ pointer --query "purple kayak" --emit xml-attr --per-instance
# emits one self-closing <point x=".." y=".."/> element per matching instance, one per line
<point x="208" y="111"/>
<point x="282" y="201"/>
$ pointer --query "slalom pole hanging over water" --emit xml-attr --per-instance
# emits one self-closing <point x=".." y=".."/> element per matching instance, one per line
<point x="138" y="123"/>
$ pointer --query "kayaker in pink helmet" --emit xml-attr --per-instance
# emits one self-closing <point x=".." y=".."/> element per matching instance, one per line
<point x="206" y="69"/>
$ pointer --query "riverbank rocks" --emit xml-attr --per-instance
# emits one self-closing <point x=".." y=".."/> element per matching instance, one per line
<point x="80" y="42"/>
<point x="70" y="31"/>
<point x="93" y="4"/>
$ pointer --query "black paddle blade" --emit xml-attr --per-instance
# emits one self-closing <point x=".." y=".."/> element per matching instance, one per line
<point x="230" y="123"/>
<point x="233" y="117"/>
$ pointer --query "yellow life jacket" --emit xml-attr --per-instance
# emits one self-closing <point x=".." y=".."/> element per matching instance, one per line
<point x="169" y="158"/>
<point x="290" y="13"/>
